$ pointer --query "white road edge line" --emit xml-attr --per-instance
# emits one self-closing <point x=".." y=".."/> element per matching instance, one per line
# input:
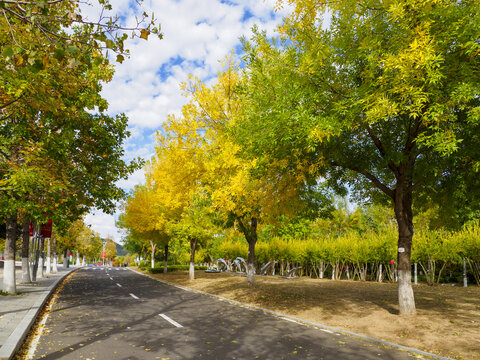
<point x="33" y="345"/>
<point x="119" y="285"/>
<point x="173" y="322"/>
<point x="135" y="297"/>
<point x="291" y="320"/>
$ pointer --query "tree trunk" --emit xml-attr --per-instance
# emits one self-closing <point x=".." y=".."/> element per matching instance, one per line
<point x="35" y="252"/>
<point x="9" y="281"/>
<point x="65" y="259"/>
<point x="165" y="259"/>
<point x="415" y="272"/>
<point x="404" y="216"/>
<point x="25" y="251"/>
<point x="41" y="260"/>
<point x="191" y="271"/>
<point x="251" y="237"/>
<point x="153" y="246"/>
<point x="55" y="256"/>
<point x="48" y="267"/>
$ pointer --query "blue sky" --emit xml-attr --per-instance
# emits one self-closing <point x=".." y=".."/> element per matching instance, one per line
<point x="197" y="34"/>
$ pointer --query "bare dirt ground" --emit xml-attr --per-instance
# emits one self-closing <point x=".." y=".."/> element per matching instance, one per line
<point x="447" y="321"/>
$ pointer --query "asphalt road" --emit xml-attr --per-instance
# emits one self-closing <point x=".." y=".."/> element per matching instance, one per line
<point x="116" y="313"/>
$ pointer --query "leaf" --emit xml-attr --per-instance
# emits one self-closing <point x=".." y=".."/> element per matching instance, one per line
<point x="109" y="44"/>
<point x="73" y="63"/>
<point x="7" y="52"/>
<point x="73" y="50"/>
<point x="59" y="53"/>
<point x="45" y="61"/>
<point x="17" y="60"/>
<point x="144" y="34"/>
<point x="120" y="58"/>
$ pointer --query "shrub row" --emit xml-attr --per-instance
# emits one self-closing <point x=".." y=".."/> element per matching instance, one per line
<point x="170" y="268"/>
<point x="374" y="254"/>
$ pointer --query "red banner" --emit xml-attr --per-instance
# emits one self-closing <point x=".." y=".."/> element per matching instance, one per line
<point x="46" y="229"/>
<point x="103" y="254"/>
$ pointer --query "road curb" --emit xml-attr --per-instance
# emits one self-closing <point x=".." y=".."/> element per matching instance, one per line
<point x="17" y="337"/>
<point x="298" y="320"/>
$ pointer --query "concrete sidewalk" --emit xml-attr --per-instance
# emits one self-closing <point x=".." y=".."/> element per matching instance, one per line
<point x="19" y="312"/>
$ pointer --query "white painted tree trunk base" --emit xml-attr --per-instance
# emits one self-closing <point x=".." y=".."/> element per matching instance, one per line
<point x="251" y="274"/>
<point x="406" y="299"/>
<point x="191" y="271"/>
<point x="48" y="266"/>
<point x="40" y="268"/>
<point x="9" y="281"/>
<point x="55" y="267"/>
<point x="26" y="271"/>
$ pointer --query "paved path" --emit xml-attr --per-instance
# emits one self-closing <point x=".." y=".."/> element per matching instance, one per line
<point x="115" y="313"/>
<point x="17" y="313"/>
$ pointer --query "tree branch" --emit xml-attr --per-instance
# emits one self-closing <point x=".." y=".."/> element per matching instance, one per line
<point x="389" y="192"/>
<point x="412" y="135"/>
<point x="382" y="151"/>
<point x="10" y="28"/>
<point x="10" y="102"/>
<point x="28" y="2"/>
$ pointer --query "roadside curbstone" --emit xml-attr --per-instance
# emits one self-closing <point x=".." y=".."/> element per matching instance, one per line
<point x="17" y="337"/>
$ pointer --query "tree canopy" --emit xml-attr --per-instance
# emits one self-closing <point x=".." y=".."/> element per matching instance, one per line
<point x="379" y="97"/>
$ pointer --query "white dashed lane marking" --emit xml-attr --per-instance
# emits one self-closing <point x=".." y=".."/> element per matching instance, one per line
<point x="173" y="322"/>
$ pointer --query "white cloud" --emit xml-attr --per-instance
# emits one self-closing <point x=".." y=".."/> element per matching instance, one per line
<point x="137" y="178"/>
<point x="197" y="34"/>
<point x="104" y="224"/>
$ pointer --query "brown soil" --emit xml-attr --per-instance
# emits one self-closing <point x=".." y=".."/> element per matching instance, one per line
<point x="447" y="321"/>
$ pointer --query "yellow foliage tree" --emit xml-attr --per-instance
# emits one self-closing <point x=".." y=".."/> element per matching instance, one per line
<point x="143" y="217"/>
<point x="196" y="156"/>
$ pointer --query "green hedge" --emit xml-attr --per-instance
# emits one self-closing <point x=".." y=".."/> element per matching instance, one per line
<point x="170" y="268"/>
<point x="438" y="253"/>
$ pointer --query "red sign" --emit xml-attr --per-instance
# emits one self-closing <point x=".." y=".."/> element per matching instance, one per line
<point x="46" y="229"/>
<point x="103" y="254"/>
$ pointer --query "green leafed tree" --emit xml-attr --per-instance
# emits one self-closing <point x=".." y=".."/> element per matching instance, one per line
<point x="57" y="159"/>
<point x="380" y="97"/>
